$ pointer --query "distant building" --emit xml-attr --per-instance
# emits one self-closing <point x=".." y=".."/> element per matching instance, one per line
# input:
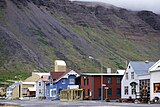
<point x="91" y="83"/>
<point x="135" y="78"/>
<point x="26" y="88"/>
<point x="60" y="81"/>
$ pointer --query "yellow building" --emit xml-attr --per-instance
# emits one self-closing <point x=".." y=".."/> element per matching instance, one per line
<point x="27" y="88"/>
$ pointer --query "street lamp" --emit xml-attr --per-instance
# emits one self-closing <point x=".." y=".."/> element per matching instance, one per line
<point x="90" y="57"/>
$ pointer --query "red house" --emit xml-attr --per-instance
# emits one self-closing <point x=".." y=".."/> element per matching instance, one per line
<point x="91" y="83"/>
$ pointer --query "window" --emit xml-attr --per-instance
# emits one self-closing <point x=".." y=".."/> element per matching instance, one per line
<point x="40" y="91"/>
<point x="118" y="91"/>
<point x="156" y="87"/>
<point x="132" y="75"/>
<point x="63" y="81"/>
<point x="71" y="81"/>
<point x="144" y="83"/>
<point x="109" y="80"/>
<point x="99" y="92"/>
<point x="52" y="92"/>
<point x="127" y="76"/>
<point x="86" y="81"/>
<point x="118" y="81"/>
<point x="109" y="91"/>
<point x="39" y="83"/>
<point x="126" y="90"/>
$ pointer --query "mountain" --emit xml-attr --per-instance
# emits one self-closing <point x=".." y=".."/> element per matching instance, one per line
<point x="34" y="33"/>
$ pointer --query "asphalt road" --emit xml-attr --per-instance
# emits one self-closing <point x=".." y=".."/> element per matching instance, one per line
<point x="48" y="103"/>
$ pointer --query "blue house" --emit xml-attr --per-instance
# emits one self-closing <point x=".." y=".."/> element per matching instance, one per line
<point x="60" y="81"/>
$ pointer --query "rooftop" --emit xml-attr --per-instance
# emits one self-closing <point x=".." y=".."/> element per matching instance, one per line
<point x="141" y="68"/>
<point x="40" y="74"/>
<point x="56" y="76"/>
<point x="104" y="74"/>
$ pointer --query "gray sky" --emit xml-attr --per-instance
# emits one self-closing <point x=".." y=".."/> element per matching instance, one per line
<point x="152" y="5"/>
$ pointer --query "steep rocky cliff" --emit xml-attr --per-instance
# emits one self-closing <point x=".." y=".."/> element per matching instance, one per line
<point x="34" y="33"/>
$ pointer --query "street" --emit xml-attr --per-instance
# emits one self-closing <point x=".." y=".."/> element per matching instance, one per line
<point x="86" y="103"/>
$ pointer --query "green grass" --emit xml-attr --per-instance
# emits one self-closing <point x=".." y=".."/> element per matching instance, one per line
<point x="15" y="72"/>
<point x="43" y="41"/>
<point x="9" y="77"/>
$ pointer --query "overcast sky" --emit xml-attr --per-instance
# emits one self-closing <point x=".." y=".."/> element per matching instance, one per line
<point x="152" y="5"/>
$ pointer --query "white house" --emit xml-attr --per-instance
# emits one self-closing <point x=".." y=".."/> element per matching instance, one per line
<point x="155" y="80"/>
<point x="41" y="86"/>
<point x="136" y="75"/>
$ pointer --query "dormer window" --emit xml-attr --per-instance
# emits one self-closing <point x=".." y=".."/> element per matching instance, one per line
<point x="129" y="67"/>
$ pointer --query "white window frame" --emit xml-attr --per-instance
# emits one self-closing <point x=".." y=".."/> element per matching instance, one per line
<point x="54" y="92"/>
<point x="63" y="81"/>
<point x="126" y="90"/>
<point x="132" y="75"/>
<point x="71" y="81"/>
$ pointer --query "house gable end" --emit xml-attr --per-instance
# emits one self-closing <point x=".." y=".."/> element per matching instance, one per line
<point x="66" y="75"/>
<point x="155" y="67"/>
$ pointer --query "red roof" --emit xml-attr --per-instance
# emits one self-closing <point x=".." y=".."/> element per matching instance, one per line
<point x="56" y="75"/>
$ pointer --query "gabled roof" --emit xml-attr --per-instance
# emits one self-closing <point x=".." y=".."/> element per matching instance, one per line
<point x="141" y="68"/>
<point x="35" y="77"/>
<point x="40" y="74"/>
<point x="56" y="76"/>
<point x="155" y="67"/>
